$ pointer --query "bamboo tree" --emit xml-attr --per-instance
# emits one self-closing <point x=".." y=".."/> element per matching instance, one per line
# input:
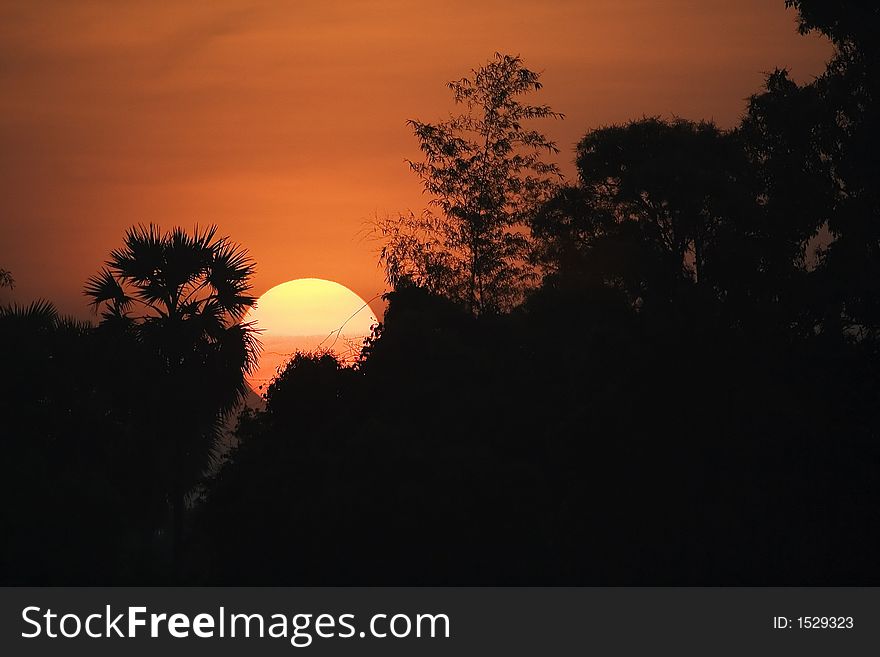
<point x="484" y="172"/>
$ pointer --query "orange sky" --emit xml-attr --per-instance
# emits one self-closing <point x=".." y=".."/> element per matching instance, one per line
<point x="284" y="122"/>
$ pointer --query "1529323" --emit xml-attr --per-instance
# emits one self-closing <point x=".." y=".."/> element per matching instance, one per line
<point x="825" y="622"/>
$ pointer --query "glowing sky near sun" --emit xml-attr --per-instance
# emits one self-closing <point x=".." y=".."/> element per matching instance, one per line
<point x="284" y="122"/>
<point x="308" y="314"/>
<point x="311" y="306"/>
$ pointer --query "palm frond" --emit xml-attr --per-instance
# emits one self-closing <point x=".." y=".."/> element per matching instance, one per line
<point x="105" y="288"/>
<point x="6" y="279"/>
<point x="37" y="312"/>
<point x="186" y="259"/>
<point x="142" y="258"/>
<point x="229" y="274"/>
<point x="74" y="326"/>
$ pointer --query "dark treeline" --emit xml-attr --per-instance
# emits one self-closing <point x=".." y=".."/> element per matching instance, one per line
<point x="665" y="372"/>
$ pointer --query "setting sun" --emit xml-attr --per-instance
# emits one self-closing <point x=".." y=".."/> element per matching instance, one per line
<point x="308" y="314"/>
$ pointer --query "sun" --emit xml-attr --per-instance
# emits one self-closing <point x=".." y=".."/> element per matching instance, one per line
<point x="308" y="314"/>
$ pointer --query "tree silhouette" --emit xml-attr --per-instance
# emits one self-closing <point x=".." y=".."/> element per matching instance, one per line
<point x="661" y="207"/>
<point x="815" y="147"/>
<point x="678" y="179"/>
<point x="845" y="136"/>
<point x="848" y="23"/>
<point x="183" y="298"/>
<point x="484" y="172"/>
<point x="6" y="279"/>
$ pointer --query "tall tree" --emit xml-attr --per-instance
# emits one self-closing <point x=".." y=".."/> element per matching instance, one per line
<point x="484" y="171"/>
<point x="659" y="206"/>
<point x="183" y="298"/>
<point x="830" y="128"/>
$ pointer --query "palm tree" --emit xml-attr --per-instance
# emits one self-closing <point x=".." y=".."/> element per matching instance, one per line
<point x="183" y="298"/>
